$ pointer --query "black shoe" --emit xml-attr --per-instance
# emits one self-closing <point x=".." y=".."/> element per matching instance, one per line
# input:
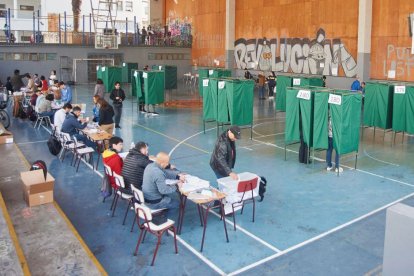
<point x="118" y="126"/>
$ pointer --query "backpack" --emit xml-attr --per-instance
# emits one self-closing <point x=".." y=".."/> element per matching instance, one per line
<point x="262" y="187"/>
<point x="39" y="165"/>
<point x="53" y="144"/>
<point x="106" y="188"/>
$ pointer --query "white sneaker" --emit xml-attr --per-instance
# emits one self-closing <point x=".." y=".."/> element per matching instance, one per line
<point x="339" y="170"/>
<point x="329" y="169"/>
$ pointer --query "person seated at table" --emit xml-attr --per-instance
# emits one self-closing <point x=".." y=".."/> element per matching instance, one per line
<point x="111" y="158"/>
<point x="95" y="109"/>
<point x="66" y="91"/>
<point x="40" y="99"/>
<point x="45" y="86"/>
<point x="33" y="98"/>
<point x="30" y="83"/>
<point x="134" y="165"/>
<point x="45" y="107"/>
<point x="106" y="115"/>
<point x="72" y="123"/>
<point x="157" y="193"/>
<point x="54" y="86"/>
<point x="57" y="100"/>
<point x="60" y="116"/>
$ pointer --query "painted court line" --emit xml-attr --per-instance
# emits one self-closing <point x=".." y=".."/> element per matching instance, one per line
<point x="345" y="166"/>
<point x="284" y="252"/>
<point x="34" y="142"/>
<point x="382" y="161"/>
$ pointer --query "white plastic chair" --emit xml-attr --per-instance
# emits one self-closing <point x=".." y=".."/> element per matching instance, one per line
<point x="121" y="193"/>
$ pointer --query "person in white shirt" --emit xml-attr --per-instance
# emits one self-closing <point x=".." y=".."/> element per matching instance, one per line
<point x="60" y="116"/>
<point x="52" y="77"/>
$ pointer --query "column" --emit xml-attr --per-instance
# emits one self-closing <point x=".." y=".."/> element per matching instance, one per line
<point x="230" y="33"/>
<point x="364" y="39"/>
<point x="15" y="9"/>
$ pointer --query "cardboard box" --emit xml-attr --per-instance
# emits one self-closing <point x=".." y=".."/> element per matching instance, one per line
<point x="6" y="137"/>
<point x="36" y="189"/>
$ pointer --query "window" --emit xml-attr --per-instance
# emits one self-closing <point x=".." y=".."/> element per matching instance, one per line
<point x="26" y="8"/>
<point x="128" y="6"/>
<point x="2" y="6"/>
<point x="117" y="6"/>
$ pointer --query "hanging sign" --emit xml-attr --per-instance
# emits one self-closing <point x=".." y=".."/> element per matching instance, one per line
<point x="335" y="99"/>
<point x="296" y="81"/>
<point x="391" y="74"/>
<point x="160" y="67"/>
<point x="97" y="67"/>
<point x="135" y="74"/>
<point x="304" y="94"/>
<point x="210" y="72"/>
<point x="221" y="84"/>
<point x="103" y="69"/>
<point x="123" y="64"/>
<point x="205" y="82"/>
<point x="399" y="89"/>
<point x="145" y="75"/>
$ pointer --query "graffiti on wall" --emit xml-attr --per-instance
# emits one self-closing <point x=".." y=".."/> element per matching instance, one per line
<point x="179" y="28"/>
<point x="400" y="60"/>
<point x="298" y="55"/>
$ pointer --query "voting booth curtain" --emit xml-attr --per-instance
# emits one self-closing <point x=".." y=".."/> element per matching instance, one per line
<point x="153" y="87"/>
<point x="307" y="111"/>
<point x="202" y="74"/>
<point x="378" y="104"/>
<point x="136" y="83"/>
<point x="211" y="73"/>
<point x="209" y="92"/>
<point x="109" y="76"/>
<point x="170" y="72"/>
<point x="403" y="108"/>
<point x="127" y="67"/>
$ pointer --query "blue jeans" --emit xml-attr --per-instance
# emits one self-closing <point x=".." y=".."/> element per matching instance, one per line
<point x="170" y="202"/>
<point x="261" y="92"/>
<point x="329" y="154"/>
<point x="85" y="140"/>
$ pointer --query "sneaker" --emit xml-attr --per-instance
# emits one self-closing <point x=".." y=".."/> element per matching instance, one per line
<point x="154" y="113"/>
<point x="339" y="170"/>
<point x="118" y="126"/>
<point x="329" y="169"/>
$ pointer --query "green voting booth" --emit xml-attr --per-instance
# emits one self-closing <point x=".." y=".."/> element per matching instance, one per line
<point x="284" y="81"/>
<point x="127" y="67"/>
<point x="378" y="104"/>
<point x="110" y="75"/>
<point x="153" y="86"/>
<point x="211" y="73"/>
<point x="136" y="83"/>
<point x="307" y="110"/>
<point x="170" y="75"/>
<point x="403" y="108"/>
<point x="228" y="101"/>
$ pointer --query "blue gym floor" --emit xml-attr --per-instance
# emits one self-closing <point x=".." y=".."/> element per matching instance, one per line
<point x="311" y="221"/>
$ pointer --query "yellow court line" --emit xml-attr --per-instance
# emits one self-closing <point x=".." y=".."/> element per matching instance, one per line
<point x="172" y="138"/>
<point x="13" y="236"/>
<point x="70" y="225"/>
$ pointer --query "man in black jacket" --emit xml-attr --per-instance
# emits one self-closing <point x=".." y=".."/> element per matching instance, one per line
<point x="117" y="96"/>
<point x="223" y="157"/>
<point x="134" y="165"/>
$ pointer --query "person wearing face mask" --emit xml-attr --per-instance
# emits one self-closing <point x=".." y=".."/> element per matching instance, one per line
<point x="111" y="158"/>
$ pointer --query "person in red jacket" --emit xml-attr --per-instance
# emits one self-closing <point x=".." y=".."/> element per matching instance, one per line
<point x="112" y="159"/>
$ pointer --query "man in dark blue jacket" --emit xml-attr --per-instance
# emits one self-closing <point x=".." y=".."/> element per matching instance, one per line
<point x="72" y="124"/>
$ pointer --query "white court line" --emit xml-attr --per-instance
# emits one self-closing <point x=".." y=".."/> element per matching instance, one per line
<point x="284" y="252"/>
<point x="34" y="142"/>
<point x="389" y="163"/>
<point x="198" y="254"/>
<point x="345" y="166"/>
<point x="267" y="135"/>
<point x="249" y="234"/>
<point x="186" y="139"/>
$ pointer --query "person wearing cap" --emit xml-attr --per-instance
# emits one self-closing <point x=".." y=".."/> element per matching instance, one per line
<point x="223" y="157"/>
<point x="134" y="165"/>
<point x="111" y="158"/>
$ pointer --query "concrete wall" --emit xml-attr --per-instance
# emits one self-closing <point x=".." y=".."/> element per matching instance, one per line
<point x="130" y="54"/>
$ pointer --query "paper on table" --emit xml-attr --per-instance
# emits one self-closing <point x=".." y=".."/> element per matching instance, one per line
<point x="171" y="181"/>
<point x="193" y="183"/>
<point x="197" y="196"/>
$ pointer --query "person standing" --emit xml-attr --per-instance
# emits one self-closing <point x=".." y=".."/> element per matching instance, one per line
<point x="271" y="82"/>
<point x="261" y="83"/>
<point x="356" y="85"/>
<point x="117" y="96"/>
<point x="99" y="89"/>
<point x="330" y="150"/>
<point x="52" y="77"/>
<point x="106" y="114"/>
<point x="30" y="83"/>
<point x="17" y="80"/>
<point x="223" y="157"/>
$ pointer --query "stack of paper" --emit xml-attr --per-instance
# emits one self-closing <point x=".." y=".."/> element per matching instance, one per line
<point x="193" y="183"/>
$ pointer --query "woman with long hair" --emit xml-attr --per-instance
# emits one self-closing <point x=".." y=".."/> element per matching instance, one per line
<point x="106" y="114"/>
